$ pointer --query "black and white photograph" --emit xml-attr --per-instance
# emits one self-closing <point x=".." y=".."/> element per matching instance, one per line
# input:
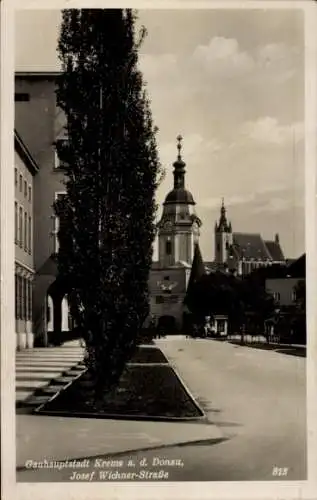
<point x="159" y="282"/>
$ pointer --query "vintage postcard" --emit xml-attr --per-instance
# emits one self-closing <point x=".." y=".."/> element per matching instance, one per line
<point x="158" y="250"/>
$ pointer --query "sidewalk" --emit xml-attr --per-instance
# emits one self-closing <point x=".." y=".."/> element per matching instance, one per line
<point x="59" y="438"/>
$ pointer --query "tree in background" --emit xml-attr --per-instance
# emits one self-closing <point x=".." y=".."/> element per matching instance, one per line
<point x="216" y="293"/>
<point x="112" y="172"/>
<point x="243" y="300"/>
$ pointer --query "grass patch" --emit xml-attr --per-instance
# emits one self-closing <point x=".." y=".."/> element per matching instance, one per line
<point x="148" y="355"/>
<point x="143" y="392"/>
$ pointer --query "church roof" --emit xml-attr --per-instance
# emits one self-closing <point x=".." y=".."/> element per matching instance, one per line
<point x="275" y="251"/>
<point x="250" y="246"/>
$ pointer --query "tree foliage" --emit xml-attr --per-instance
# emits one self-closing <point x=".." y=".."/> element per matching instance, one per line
<point x="112" y="171"/>
<point x="237" y="298"/>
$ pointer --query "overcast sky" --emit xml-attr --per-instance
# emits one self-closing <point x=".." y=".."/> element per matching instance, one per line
<point x="232" y="83"/>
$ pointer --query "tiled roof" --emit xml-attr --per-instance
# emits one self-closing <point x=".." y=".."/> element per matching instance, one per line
<point x="275" y="251"/>
<point x="250" y="246"/>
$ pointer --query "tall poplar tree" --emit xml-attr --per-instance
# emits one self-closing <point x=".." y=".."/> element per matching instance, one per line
<point x="112" y="172"/>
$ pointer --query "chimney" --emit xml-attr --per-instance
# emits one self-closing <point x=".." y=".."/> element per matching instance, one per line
<point x="277" y="238"/>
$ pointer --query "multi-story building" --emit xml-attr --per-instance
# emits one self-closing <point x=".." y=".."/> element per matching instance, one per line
<point x="284" y="288"/>
<point x="41" y="124"/>
<point x="25" y="171"/>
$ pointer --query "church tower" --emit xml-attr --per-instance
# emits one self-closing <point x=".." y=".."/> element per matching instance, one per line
<point x="223" y="237"/>
<point x="178" y="229"/>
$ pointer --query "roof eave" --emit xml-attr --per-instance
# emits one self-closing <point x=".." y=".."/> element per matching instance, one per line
<point x="25" y="154"/>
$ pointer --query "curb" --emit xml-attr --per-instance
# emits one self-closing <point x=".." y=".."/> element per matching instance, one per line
<point x="203" y="416"/>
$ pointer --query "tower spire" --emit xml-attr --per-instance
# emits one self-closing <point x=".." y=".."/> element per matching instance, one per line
<point x="223" y="223"/>
<point x="179" y="166"/>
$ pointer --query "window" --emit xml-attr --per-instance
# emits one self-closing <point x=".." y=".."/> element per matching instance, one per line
<point x="58" y="196"/>
<point x="19" y="297"/>
<point x="24" y="299"/>
<point x="16" y="176"/>
<point x="25" y="189"/>
<point x="168" y="248"/>
<point x="277" y="296"/>
<point x="26" y="231"/>
<point x="20" y="183"/>
<point x="59" y="143"/>
<point x="294" y="297"/>
<point x="30" y="235"/>
<point x="20" y="227"/>
<point x="16" y="222"/>
<point x="159" y="299"/>
<point x="21" y="97"/>
<point x="29" y="300"/>
<point x="30" y="194"/>
<point x="166" y="278"/>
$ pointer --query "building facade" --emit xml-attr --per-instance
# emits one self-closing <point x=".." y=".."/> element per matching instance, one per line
<point x="25" y="171"/>
<point x="41" y="123"/>
<point x="284" y="289"/>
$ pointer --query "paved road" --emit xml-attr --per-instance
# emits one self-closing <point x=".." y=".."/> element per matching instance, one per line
<point x="257" y="398"/>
